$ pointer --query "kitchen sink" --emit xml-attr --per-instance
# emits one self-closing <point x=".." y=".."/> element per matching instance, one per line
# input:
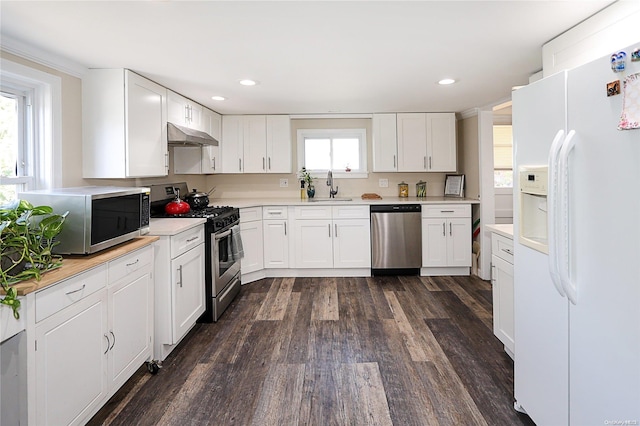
<point x="329" y="199"/>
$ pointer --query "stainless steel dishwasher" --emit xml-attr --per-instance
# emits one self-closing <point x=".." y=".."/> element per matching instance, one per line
<point x="396" y="239"/>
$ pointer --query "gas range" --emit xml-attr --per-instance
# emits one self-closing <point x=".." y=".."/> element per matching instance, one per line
<point x="218" y="217"/>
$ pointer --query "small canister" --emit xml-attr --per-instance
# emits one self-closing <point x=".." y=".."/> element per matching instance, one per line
<point x="421" y="189"/>
<point x="403" y="189"/>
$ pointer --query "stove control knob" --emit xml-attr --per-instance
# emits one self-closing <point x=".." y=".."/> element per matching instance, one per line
<point x="219" y="224"/>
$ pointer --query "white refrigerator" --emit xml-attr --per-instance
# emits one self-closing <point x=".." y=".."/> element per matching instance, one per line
<point x="577" y="341"/>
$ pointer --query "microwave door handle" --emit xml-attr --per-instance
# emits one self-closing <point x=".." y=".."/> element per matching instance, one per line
<point x="552" y="212"/>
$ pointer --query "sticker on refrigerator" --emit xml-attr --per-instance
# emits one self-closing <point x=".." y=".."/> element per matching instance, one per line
<point x="613" y="88"/>
<point x="635" y="55"/>
<point x="618" y="61"/>
<point x="630" y="118"/>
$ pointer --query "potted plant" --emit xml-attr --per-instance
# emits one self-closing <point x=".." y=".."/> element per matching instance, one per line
<point x="305" y="176"/>
<point x="27" y="237"/>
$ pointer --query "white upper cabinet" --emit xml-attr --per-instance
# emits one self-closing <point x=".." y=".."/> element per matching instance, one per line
<point x="385" y="143"/>
<point x="183" y="111"/>
<point x="205" y="159"/>
<point x="124" y="125"/>
<point x="256" y="144"/>
<point x="426" y="142"/>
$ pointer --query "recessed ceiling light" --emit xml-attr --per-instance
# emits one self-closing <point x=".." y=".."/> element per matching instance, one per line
<point x="446" y="81"/>
<point x="247" y="82"/>
<point x="218" y="98"/>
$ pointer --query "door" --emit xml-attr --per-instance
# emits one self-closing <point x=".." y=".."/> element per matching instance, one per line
<point x="541" y="367"/>
<point x="252" y="243"/>
<point x="130" y="313"/>
<point x="276" y="244"/>
<point x="278" y="144"/>
<point x="71" y="359"/>
<point x="351" y="243"/>
<point x="458" y="242"/>
<point x="604" y="331"/>
<point x="255" y="144"/>
<point x="146" y="127"/>
<point x="385" y="143"/>
<point x="187" y="282"/>
<point x="231" y="145"/>
<point x="502" y="293"/>
<point x="412" y="142"/>
<point x="441" y="142"/>
<point x="313" y="243"/>
<point x="211" y="124"/>
<point x="434" y="242"/>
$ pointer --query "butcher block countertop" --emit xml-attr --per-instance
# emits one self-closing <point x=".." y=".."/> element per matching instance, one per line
<point x="74" y="265"/>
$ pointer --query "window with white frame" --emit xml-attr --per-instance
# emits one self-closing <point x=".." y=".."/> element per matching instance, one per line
<point x="343" y="151"/>
<point x="29" y="130"/>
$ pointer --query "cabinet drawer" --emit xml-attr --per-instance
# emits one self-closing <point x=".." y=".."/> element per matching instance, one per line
<point x="274" y="212"/>
<point x="350" y="212"/>
<point x="186" y="240"/>
<point x="58" y="296"/>
<point x="129" y="263"/>
<point x="250" y="214"/>
<point x="502" y="247"/>
<point x="446" y="210"/>
<point x="313" y="212"/>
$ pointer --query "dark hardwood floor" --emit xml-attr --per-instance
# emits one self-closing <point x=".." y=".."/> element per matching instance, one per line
<point x="334" y="351"/>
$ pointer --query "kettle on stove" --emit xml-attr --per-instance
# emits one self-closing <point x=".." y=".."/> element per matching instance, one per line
<point x="177" y="206"/>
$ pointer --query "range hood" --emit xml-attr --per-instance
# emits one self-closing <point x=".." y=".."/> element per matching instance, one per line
<point x="184" y="136"/>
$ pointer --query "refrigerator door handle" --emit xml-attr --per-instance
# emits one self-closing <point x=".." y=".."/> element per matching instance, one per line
<point x="552" y="211"/>
<point x="564" y="255"/>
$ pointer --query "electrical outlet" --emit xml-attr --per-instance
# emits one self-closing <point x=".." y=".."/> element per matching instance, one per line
<point x="383" y="183"/>
<point x="284" y="183"/>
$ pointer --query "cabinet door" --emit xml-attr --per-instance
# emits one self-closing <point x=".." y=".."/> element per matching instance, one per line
<point x="276" y="244"/>
<point x="187" y="281"/>
<point x="314" y="243"/>
<point x="130" y="316"/>
<point x="278" y="144"/>
<point x="503" y="322"/>
<point x="211" y="124"/>
<point x="385" y="143"/>
<point x="232" y="143"/>
<point x="252" y="243"/>
<point x="434" y="242"/>
<point x="71" y="359"/>
<point x="255" y="144"/>
<point x="458" y="242"/>
<point x="146" y="127"/>
<point x="177" y="109"/>
<point x="412" y="142"/>
<point x="441" y="142"/>
<point x="351" y="243"/>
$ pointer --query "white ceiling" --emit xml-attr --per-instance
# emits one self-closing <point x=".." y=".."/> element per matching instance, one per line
<point x="309" y="57"/>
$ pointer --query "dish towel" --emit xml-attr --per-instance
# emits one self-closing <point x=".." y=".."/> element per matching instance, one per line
<point x="630" y="118"/>
<point x="237" y="251"/>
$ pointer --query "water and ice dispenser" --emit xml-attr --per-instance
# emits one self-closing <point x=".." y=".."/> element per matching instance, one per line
<point x="533" y="207"/>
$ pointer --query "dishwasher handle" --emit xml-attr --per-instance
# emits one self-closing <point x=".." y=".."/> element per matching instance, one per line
<point x="395" y="208"/>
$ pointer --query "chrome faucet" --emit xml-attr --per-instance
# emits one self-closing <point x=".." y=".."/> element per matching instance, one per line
<point x="332" y="193"/>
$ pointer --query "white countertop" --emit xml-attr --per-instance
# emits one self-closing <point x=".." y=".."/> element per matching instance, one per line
<point x="504" y="229"/>
<point x="259" y="202"/>
<point x="173" y="226"/>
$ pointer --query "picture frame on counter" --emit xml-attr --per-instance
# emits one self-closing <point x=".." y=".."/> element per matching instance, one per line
<point x="454" y="186"/>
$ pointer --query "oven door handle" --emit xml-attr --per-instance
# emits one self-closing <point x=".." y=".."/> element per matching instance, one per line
<point x="223" y="234"/>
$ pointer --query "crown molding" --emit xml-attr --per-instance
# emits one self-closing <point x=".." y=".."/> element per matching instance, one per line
<point x="42" y="57"/>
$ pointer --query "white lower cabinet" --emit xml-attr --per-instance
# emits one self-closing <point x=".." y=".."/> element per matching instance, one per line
<point x="92" y="332"/>
<point x="252" y="241"/>
<point x="502" y="281"/>
<point x="446" y="236"/>
<point x="180" y="287"/>
<point x="276" y="237"/>
<point x="332" y="237"/>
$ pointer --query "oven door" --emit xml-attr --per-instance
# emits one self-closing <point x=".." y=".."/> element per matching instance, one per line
<point x="225" y="267"/>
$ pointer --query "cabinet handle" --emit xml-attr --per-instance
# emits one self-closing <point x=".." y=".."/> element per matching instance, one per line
<point x="263" y="164"/>
<point x="133" y="263"/>
<point x="493" y="268"/>
<point x="269" y="163"/>
<point x="114" y="340"/>
<point x="446" y="211"/>
<point x="186" y="113"/>
<point x="75" y="291"/>
<point x="285" y="228"/>
<point x="507" y="251"/>
<point x="214" y="162"/>
<point x="108" y="344"/>
<point x="450" y="229"/>
<point x="444" y="230"/>
<point x="180" y="274"/>
<point x="240" y="164"/>
<point x="394" y="161"/>
<point x="335" y="230"/>
<point x="424" y="162"/>
<point x="429" y="162"/>
<point x="192" y="239"/>
<point x="329" y="225"/>
<point x="166" y="162"/>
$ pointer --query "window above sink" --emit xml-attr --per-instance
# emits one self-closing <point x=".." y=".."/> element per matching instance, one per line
<point x="343" y="151"/>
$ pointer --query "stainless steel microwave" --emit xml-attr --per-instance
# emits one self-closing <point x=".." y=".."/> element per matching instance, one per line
<point x="99" y="216"/>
